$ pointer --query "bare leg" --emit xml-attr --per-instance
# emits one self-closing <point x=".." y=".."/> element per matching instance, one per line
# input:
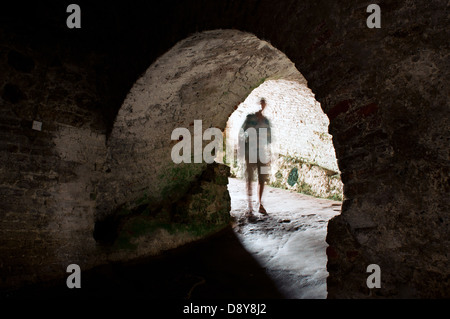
<point x="249" y="194"/>
<point x="249" y="176"/>
<point x="260" y="190"/>
<point x="261" y="181"/>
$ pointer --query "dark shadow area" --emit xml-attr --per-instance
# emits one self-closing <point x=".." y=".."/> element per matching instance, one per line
<point x="217" y="267"/>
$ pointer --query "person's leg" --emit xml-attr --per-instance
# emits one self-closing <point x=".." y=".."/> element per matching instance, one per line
<point x="261" y="190"/>
<point x="249" y="178"/>
<point x="261" y="181"/>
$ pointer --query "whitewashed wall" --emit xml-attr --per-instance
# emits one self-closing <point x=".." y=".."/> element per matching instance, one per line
<point x="299" y="126"/>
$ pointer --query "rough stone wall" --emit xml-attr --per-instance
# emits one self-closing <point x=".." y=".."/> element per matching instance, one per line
<point x="384" y="90"/>
<point x="306" y="177"/>
<point x="386" y="123"/>
<point x="47" y="176"/>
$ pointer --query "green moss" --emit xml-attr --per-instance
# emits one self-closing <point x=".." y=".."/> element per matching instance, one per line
<point x="278" y="184"/>
<point x="293" y="159"/>
<point x="143" y="200"/>
<point x="224" y="147"/>
<point x="125" y="243"/>
<point x="302" y="161"/>
<point x="177" y="179"/>
<point x="199" y="229"/>
<point x="261" y="81"/>
<point x="190" y="213"/>
<point x="305" y="188"/>
<point x="141" y="226"/>
<point x="293" y="177"/>
<point x="336" y="197"/>
<point x="221" y="180"/>
<point x="278" y="175"/>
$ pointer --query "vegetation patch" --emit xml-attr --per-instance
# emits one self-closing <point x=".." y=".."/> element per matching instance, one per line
<point x="293" y="177"/>
<point x="203" y="208"/>
<point x="149" y="226"/>
<point x="297" y="174"/>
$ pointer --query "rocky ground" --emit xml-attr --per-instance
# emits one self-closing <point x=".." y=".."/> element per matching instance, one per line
<point x="290" y="242"/>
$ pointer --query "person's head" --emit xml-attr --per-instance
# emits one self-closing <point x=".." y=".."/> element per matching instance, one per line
<point x="263" y="103"/>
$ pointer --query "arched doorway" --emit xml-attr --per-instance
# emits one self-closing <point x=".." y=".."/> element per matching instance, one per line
<point x="206" y="78"/>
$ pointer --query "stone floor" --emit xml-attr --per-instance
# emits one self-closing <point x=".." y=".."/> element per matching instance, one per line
<point x="290" y="242"/>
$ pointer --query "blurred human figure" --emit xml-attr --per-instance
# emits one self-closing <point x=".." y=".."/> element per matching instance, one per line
<point x="255" y="137"/>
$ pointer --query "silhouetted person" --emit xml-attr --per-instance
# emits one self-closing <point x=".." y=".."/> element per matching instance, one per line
<point x="255" y="136"/>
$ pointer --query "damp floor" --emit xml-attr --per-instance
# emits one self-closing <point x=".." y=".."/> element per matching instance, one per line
<point x="289" y="243"/>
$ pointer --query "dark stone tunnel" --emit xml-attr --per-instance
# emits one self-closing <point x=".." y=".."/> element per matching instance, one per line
<point x="104" y="142"/>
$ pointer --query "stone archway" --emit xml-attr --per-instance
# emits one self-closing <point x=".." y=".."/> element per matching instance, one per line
<point x="203" y="77"/>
